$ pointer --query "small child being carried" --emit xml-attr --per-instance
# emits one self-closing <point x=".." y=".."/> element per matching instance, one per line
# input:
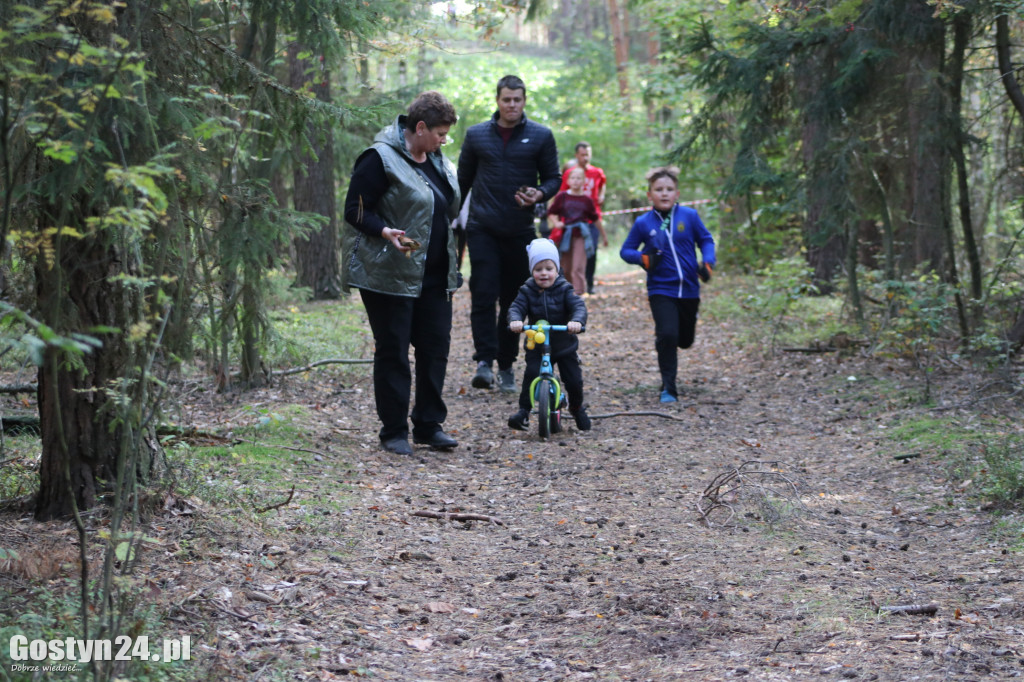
<point x="570" y="216"/>
<point x="548" y="296"/>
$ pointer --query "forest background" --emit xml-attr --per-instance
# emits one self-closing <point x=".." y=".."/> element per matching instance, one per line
<point x="168" y="167"/>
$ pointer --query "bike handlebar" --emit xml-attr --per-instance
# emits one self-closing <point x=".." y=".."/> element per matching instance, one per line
<point x="543" y="327"/>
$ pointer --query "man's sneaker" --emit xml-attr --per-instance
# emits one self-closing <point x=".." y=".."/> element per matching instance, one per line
<point x="667" y="397"/>
<point x="519" y="420"/>
<point x="484" y="377"/>
<point x="582" y="419"/>
<point x="506" y="381"/>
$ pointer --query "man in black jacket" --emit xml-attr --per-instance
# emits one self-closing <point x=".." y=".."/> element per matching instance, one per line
<point x="510" y="163"/>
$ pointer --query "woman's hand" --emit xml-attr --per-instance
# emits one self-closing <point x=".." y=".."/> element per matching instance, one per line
<point x="515" y="326"/>
<point x="392" y="236"/>
<point x="574" y="327"/>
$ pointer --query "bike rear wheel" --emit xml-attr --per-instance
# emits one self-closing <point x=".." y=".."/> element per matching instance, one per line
<point x="545" y="410"/>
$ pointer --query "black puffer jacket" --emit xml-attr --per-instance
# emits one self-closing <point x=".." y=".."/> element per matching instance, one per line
<point x="494" y="171"/>
<point x="558" y="304"/>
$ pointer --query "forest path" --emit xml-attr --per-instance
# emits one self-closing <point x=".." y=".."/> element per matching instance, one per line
<point x="602" y="568"/>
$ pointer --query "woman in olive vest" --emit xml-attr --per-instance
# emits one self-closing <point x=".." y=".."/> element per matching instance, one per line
<point x="399" y="251"/>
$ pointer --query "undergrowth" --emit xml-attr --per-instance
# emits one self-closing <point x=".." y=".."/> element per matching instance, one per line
<point x="989" y="459"/>
<point x="778" y="308"/>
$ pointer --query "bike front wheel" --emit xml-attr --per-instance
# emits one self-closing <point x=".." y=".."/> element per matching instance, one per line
<point x="545" y="408"/>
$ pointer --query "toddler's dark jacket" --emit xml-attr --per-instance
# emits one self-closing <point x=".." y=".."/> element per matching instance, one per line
<point x="558" y="304"/>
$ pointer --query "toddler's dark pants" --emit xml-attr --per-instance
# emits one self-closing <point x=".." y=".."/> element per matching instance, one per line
<point x="568" y="370"/>
<point x="675" y="323"/>
<point x="426" y="324"/>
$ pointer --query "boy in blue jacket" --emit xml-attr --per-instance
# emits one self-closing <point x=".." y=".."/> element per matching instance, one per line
<point x="670" y="235"/>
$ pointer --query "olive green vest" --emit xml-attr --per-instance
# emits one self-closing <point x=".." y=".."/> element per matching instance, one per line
<point x="408" y="204"/>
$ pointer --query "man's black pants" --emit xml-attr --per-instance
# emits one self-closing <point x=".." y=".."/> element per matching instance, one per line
<point x="499" y="266"/>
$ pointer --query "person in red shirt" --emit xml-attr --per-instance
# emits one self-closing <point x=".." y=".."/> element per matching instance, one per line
<point x="594" y="186"/>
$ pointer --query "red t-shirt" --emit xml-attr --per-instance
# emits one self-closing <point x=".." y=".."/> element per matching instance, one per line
<point x="593" y="183"/>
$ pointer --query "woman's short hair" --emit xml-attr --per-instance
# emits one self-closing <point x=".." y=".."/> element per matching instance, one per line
<point x="432" y="108"/>
<point x="671" y="172"/>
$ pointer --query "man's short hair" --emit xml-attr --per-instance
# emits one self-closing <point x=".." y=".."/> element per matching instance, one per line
<point x="582" y="145"/>
<point x="512" y="83"/>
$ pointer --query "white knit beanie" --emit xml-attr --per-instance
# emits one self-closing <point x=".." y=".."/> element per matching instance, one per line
<point x="542" y="249"/>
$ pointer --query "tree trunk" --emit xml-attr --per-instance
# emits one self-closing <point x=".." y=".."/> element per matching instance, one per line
<point x="621" y="41"/>
<point x="364" y="63"/>
<point x="94" y="406"/>
<point x="852" y="283"/>
<point x="926" y="111"/>
<point x="1015" y="335"/>
<point x="653" y="49"/>
<point x="79" y="421"/>
<point x="824" y="243"/>
<point x="568" y="14"/>
<point x="316" y="253"/>
<point x="961" y="37"/>
<point x="1006" y="69"/>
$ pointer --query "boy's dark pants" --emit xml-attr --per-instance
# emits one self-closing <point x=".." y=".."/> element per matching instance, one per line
<point x="498" y="268"/>
<point x="426" y="324"/>
<point x="675" y="323"/>
<point x="568" y="370"/>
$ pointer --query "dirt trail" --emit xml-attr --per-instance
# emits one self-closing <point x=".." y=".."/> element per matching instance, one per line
<point x="601" y="567"/>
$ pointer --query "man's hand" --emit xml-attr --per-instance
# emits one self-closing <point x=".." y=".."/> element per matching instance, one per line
<point x="515" y="326"/>
<point x="704" y="272"/>
<point x="574" y="327"/>
<point x="528" y="196"/>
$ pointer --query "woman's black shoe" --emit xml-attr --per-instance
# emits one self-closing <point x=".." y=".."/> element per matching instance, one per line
<point x="398" y="445"/>
<point x="438" y="440"/>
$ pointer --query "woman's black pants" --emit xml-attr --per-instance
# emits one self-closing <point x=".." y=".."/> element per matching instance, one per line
<point x="397" y="322"/>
